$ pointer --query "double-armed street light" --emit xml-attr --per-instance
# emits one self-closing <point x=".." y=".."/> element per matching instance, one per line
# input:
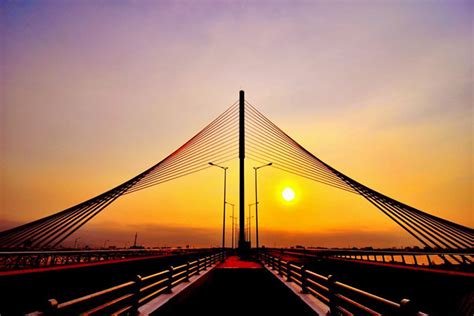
<point x="249" y="218"/>
<point x="256" y="202"/>
<point x="225" y="201"/>
<point x="233" y="226"/>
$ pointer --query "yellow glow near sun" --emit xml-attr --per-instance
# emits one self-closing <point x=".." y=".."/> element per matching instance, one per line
<point x="288" y="194"/>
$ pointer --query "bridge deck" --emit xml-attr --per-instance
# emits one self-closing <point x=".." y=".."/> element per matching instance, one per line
<point x="237" y="288"/>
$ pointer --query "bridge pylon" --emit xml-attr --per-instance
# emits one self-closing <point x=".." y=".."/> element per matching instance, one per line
<point x="244" y="245"/>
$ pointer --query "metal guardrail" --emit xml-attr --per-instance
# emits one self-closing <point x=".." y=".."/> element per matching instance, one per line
<point x="126" y="298"/>
<point x="341" y="298"/>
<point x="414" y="258"/>
<point x="17" y="260"/>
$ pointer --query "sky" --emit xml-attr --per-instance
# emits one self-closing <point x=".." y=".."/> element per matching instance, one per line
<point x="94" y="92"/>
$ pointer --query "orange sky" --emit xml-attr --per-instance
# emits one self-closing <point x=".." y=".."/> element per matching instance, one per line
<point x="93" y="94"/>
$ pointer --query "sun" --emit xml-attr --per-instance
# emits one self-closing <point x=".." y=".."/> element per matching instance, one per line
<point x="288" y="194"/>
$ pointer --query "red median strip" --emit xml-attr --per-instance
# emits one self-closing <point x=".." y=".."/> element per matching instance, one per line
<point x="234" y="262"/>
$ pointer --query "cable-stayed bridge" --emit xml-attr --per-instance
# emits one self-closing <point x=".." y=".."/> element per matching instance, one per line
<point x="241" y="132"/>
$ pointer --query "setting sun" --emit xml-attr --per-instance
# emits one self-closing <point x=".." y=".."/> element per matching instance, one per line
<point x="288" y="194"/>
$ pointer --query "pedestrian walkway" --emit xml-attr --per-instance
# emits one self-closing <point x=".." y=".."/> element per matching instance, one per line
<point x="237" y="287"/>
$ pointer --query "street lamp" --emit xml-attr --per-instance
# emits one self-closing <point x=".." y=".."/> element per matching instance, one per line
<point x="75" y="242"/>
<point x="225" y="202"/>
<point x="249" y="224"/>
<point x="233" y="226"/>
<point x="256" y="201"/>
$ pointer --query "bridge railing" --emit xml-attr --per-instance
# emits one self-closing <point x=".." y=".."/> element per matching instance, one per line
<point x="16" y="260"/>
<point x="414" y="258"/>
<point x="126" y="298"/>
<point x="341" y="298"/>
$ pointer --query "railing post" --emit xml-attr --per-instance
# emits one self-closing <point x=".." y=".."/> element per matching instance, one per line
<point x="280" y="268"/>
<point x="304" y="280"/>
<point x="52" y="307"/>
<point x="198" y="270"/>
<point x="288" y="271"/>
<point x="136" y="294"/>
<point x="332" y="295"/>
<point x="169" y="281"/>
<point x="187" y="272"/>
<point x="407" y="308"/>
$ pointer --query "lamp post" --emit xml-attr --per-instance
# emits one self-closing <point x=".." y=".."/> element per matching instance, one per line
<point x="249" y="224"/>
<point x="233" y="226"/>
<point x="225" y="202"/>
<point x="75" y="242"/>
<point x="256" y="202"/>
